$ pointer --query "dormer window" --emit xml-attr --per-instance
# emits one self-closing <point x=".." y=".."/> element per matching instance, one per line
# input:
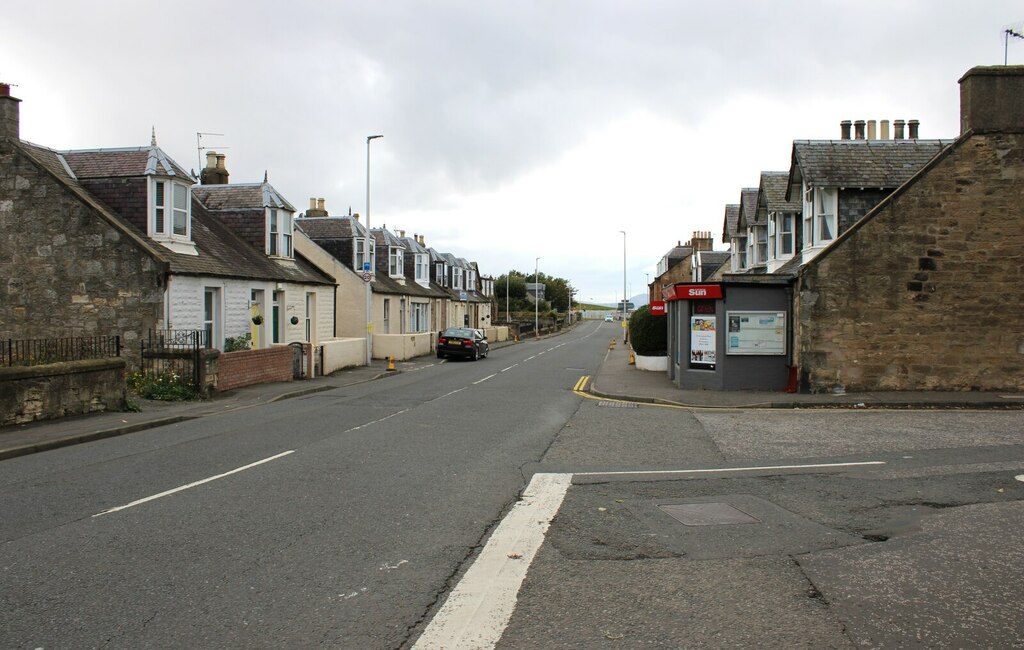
<point x="456" y="278"/>
<point x="279" y="233"/>
<point x="169" y="210"/>
<point x="441" y="272"/>
<point x="361" y="257"/>
<point x="422" y="270"/>
<point x="396" y="262"/>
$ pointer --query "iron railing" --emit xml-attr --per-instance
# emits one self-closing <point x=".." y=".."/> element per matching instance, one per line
<point x="177" y="353"/>
<point x="35" y="352"/>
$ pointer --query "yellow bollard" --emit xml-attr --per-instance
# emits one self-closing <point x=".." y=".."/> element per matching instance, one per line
<point x="632" y="359"/>
<point x="391" y="364"/>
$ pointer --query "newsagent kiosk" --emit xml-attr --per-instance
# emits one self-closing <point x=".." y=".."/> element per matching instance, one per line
<point x="731" y="335"/>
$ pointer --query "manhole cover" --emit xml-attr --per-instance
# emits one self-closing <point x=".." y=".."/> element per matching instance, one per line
<point x="621" y="405"/>
<point x="707" y="514"/>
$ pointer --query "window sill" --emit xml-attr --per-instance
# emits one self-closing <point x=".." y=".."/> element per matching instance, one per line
<point x="181" y="246"/>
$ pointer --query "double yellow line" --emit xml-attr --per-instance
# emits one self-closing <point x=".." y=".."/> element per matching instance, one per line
<point x="581" y="384"/>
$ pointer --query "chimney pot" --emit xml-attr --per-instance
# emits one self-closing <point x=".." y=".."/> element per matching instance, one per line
<point x="5" y="90"/>
<point x="211" y="159"/>
<point x="312" y="203"/>
<point x="858" y="130"/>
<point x="897" y="128"/>
<point x="844" y="129"/>
<point x="912" y="126"/>
<point x="884" y="130"/>
<point x="321" y="204"/>
<point x="872" y="130"/>
<point x="220" y="160"/>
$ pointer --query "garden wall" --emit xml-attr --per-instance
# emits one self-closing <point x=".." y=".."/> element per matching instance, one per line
<point x="248" y="367"/>
<point x="56" y="390"/>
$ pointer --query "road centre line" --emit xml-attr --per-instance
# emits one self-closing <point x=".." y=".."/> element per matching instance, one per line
<point x="193" y="484"/>
<point x="731" y="469"/>
<point x="484" y="379"/>
<point x="386" y="417"/>
<point x="510" y="367"/>
<point x="479" y="608"/>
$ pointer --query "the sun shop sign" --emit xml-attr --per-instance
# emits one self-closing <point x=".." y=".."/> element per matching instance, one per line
<point x="692" y="292"/>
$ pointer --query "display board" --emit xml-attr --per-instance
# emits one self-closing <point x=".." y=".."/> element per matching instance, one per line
<point x="756" y="332"/>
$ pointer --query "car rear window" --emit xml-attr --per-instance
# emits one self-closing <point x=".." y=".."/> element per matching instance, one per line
<point x="461" y="333"/>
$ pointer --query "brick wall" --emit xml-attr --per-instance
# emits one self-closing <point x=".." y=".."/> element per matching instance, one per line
<point x="65" y="271"/>
<point x="237" y="369"/>
<point x="927" y="293"/>
<point x="57" y="390"/>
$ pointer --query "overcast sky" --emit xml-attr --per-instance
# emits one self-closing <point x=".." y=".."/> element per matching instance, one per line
<point x="513" y="130"/>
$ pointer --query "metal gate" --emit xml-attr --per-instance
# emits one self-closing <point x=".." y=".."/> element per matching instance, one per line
<point x="175" y="355"/>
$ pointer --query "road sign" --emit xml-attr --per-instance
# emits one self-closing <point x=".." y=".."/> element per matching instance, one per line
<point x="463" y="295"/>
<point x="366" y="277"/>
<point x="366" y="266"/>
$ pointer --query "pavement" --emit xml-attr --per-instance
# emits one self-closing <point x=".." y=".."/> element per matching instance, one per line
<point x="615" y="379"/>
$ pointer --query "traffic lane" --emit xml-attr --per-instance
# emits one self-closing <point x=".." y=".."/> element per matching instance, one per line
<point x="440" y="504"/>
<point x="613" y="541"/>
<point x="780" y="434"/>
<point x="52" y="488"/>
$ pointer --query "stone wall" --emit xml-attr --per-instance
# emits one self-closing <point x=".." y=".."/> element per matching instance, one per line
<point x="60" y="389"/>
<point x="927" y="293"/>
<point x="64" y="270"/>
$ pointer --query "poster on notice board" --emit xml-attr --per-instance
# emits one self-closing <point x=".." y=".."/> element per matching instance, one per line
<point x="702" y="342"/>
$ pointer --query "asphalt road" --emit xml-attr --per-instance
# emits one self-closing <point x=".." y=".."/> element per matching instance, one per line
<point x="371" y="498"/>
<point x="369" y="504"/>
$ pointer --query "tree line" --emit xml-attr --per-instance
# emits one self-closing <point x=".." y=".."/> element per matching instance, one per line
<point x="557" y="292"/>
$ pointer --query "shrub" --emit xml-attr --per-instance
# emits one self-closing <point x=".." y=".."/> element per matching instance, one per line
<point x="647" y="333"/>
<point x="236" y="343"/>
<point x="167" y="386"/>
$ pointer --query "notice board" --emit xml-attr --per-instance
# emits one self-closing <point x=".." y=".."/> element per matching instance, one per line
<point x="756" y="332"/>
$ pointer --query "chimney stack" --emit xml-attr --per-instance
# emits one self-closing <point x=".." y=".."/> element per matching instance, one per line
<point x="858" y="130"/>
<point x="871" y="130"/>
<point x="912" y="127"/>
<point x="884" y="130"/>
<point x="214" y="173"/>
<point x="317" y="208"/>
<point x="9" y="117"/>
<point x="898" y="129"/>
<point x="844" y="129"/>
<point x="992" y="99"/>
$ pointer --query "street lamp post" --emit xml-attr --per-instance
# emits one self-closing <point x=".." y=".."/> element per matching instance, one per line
<point x="366" y="258"/>
<point x="624" y="328"/>
<point x="508" y="313"/>
<point x="536" y="299"/>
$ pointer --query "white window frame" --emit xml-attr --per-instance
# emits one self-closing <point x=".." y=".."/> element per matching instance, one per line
<point x="280" y="225"/>
<point x="419" y="317"/>
<point x="825" y="207"/>
<point x="396" y="262"/>
<point x="772" y="236"/>
<point x="422" y="268"/>
<point x="456" y="278"/>
<point x="273" y="230"/>
<point x="808" y="205"/>
<point x="175" y="218"/>
<point x="787" y="236"/>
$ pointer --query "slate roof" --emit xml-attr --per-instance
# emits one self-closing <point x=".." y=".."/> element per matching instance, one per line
<point x="773" y="194"/>
<point x="124" y="162"/>
<point x="710" y="261"/>
<point x="730" y="227"/>
<point x="748" y="209"/>
<point x="385" y="237"/>
<point x="240" y="196"/>
<point x="221" y="252"/>
<point x="343" y="227"/>
<point x="859" y="163"/>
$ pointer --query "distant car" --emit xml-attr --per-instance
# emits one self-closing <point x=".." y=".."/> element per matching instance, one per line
<point x="462" y="342"/>
<point x="608" y="318"/>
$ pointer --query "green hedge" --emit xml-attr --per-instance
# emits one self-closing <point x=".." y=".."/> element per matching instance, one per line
<point x="647" y="333"/>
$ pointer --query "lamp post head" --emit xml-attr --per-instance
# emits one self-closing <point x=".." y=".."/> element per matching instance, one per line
<point x="373" y="137"/>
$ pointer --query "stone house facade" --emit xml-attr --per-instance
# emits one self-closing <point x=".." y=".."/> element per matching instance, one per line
<point x="925" y="292"/>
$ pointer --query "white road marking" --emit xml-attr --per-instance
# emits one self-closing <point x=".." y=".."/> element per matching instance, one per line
<point x="528" y="358"/>
<point x="485" y="379"/>
<point x="510" y="367"/>
<point x="386" y="417"/>
<point x="1020" y="477"/>
<point x="193" y="484"/>
<point x="479" y="608"/>
<point x="730" y="469"/>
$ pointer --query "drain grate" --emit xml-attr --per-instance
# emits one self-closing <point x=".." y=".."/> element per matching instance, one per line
<point x="621" y="405"/>
<point x="707" y="514"/>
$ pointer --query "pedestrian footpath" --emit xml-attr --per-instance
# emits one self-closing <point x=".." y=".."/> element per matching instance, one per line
<point x="615" y="379"/>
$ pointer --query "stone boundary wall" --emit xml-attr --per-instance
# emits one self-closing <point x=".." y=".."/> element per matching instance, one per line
<point x="55" y="390"/>
<point x="248" y="367"/>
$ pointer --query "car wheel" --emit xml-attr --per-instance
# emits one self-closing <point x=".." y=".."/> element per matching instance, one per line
<point x="440" y="356"/>
<point x="476" y="354"/>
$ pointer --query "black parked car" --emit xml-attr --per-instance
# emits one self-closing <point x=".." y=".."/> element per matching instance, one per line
<point x="462" y="342"/>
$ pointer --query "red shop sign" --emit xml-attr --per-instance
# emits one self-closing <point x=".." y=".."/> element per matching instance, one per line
<point x="693" y="292"/>
<point x="657" y="308"/>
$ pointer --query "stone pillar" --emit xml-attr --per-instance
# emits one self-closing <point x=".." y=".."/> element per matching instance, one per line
<point x="992" y="99"/>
